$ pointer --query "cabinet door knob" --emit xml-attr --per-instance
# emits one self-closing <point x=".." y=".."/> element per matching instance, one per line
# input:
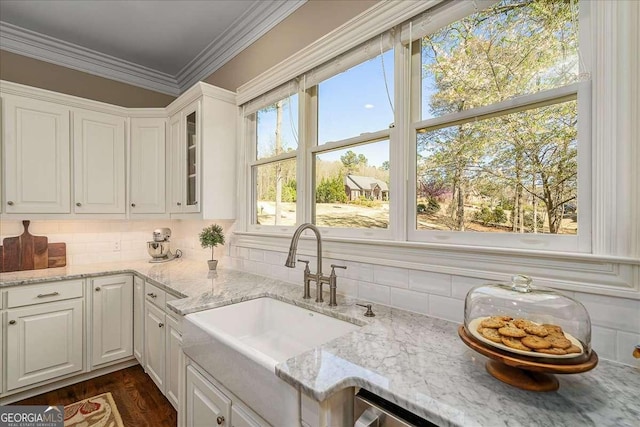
<point x="10" y="203"/>
<point x="133" y="205"/>
<point x="78" y="204"/>
<point x="179" y="204"/>
<point x="220" y="420"/>
<point x="12" y="322"/>
<point x="98" y="289"/>
<point x="160" y="325"/>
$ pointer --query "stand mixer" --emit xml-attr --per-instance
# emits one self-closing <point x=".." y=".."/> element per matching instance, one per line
<point x="159" y="248"/>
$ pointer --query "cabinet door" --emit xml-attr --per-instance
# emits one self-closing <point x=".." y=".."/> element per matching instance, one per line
<point x="112" y="319"/>
<point x="99" y="172"/>
<point x="148" y="169"/>
<point x="138" y="319"/>
<point x="154" y="344"/>
<point x="242" y="416"/>
<point x="36" y="156"/>
<point x="44" y="342"/>
<point x="173" y="344"/>
<point x="191" y="163"/>
<point x="175" y="167"/>
<point x="206" y="405"/>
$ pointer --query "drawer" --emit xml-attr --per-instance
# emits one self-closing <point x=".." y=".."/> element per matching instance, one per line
<point x="48" y="292"/>
<point x="155" y="295"/>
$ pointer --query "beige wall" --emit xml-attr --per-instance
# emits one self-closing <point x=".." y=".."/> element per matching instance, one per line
<point x="310" y="22"/>
<point x="32" y="72"/>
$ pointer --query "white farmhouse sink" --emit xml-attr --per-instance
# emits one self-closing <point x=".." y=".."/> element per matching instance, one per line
<point x="240" y="344"/>
<point x="269" y="331"/>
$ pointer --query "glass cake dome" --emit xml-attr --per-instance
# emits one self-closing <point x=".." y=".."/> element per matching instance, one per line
<point x="528" y="320"/>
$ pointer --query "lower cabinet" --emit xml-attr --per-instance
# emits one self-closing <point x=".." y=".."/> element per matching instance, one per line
<point x="173" y="342"/>
<point x="44" y="341"/>
<point x="111" y="318"/>
<point x="138" y="319"/>
<point x="208" y="403"/>
<point x="155" y="340"/>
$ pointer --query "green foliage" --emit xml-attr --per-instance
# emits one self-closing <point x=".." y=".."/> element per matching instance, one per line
<point x="289" y="191"/>
<point x="352" y="161"/>
<point x="421" y="208"/>
<point x="433" y="206"/>
<point x="487" y="216"/>
<point x="331" y="190"/>
<point x="212" y="236"/>
<point x="364" y="201"/>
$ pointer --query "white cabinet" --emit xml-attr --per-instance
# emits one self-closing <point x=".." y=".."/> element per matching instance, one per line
<point x="154" y="344"/>
<point x="147" y="174"/>
<point x="184" y="148"/>
<point x="202" y="147"/>
<point x="205" y="403"/>
<point x="44" y="341"/>
<point x="112" y="319"/>
<point x="138" y="319"/>
<point x="36" y="139"/>
<point x="162" y="344"/>
<point x="99" y="162"/>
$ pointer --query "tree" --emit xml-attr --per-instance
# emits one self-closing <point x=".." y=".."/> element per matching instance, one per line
<point x="331" y="190"/>
<point x="353" y="162"/>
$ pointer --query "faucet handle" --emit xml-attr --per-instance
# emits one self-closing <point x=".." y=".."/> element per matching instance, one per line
<point x="306" y="265"/>
<point x="334" y="266"/>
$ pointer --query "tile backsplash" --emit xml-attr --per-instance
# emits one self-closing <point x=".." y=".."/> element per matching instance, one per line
<point x="615" y="321"/>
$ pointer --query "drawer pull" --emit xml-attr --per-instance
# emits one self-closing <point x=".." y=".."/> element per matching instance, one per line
<point x="160" y="325"/>
<point x="98" y="289"/>
<point x="52" y="294"/>
<point x="12" y="322"/>
<point x="220" y="420"/>
<point x="152" y="295"/>
<point x="10" y="203"/>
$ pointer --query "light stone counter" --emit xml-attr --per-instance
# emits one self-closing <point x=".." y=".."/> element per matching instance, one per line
<point x="413" y="360"/>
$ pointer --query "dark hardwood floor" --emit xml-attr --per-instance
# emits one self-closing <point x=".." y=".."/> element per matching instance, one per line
<point x="139" y="401"/>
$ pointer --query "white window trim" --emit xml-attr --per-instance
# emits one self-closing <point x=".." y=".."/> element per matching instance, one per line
<point x="612" y="267"/>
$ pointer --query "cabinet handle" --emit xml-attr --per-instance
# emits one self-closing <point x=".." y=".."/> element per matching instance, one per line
<point x="195" y="203"/>
<point x="98" y="289"/>
<point x="220" y="420"/>
<point x="133" y="205"/>
<point x="78" y="204"/>
<point x="160" y="325"/>
<point x="12" y="322"/>
<point x="52" y="294"/>
<point x="152" y="295"/>
<point x="10" y="203"/>
<point x="179" y="204"/>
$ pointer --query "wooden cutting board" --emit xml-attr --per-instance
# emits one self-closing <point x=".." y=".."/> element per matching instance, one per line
<point x="29" y="252"/>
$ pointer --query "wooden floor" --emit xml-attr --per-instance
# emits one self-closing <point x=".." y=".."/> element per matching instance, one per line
<point x="139" y="401"/>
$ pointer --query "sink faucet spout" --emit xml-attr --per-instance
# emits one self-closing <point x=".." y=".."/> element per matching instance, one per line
<point x="293" y="248"/>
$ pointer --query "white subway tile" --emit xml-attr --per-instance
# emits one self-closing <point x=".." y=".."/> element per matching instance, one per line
<point x="275" y="258"/>
<point x="374" y="293"/>
<point x="617" y="313"/>
<point x="603" y="341"/>
<point x="358" y="271"/>
<point x="256" y="255"/>
<point x="391" y="276"/>
<point x="431" y="283"/>
<point x="626" y="342"/>
<point x="446" y="308"/>
<point x="279" y="272"/>
<point x="347" y="287"/>
<point x="460" y="285"/>
<point x="409" y="300"/>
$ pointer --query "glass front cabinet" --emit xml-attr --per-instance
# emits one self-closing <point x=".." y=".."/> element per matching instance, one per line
<point x="184" y="159"/>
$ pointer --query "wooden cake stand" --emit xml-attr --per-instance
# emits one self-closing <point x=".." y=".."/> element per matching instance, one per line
<point x="520" y="372"/>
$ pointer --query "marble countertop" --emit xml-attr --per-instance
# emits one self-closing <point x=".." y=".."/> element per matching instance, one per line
<point x="413" y="360"/>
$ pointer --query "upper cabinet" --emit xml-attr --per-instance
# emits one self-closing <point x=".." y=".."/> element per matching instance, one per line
<point x="202" y="147"/>
<point x="36" y="156"/>
<point x="99" y="168"/>
<point x="184" y="159"/>
<point x="147" y="174"/>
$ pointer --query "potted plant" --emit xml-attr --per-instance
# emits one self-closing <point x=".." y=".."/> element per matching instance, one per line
<point x="210" y="237"/>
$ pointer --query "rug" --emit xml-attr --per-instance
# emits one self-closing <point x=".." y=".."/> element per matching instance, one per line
<point x="96" y="411"/>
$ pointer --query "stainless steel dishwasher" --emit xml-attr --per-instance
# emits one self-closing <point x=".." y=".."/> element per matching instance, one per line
<point x="374" y="411"/>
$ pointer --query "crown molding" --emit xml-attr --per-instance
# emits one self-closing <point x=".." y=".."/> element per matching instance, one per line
<point x="251" y="25"/>
<point x="44" y="48"/>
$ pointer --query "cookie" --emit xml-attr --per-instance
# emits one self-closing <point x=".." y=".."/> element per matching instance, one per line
<point x="553" y="350"/>
<point x="514" y="343"/>
<point x="553" y="329"/>
<point x="573" y="349"/>
<point x="490" y="334"/>
<point x="535" y="342"/>
<point x="559" y="341"/>
<point x="495" y="322"/>
<point x="510" y="330"/>
<point x="534" y="329"/>
<point x="521" y="323"/>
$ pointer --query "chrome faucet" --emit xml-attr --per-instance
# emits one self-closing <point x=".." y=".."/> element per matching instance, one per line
<point x="318" y="277"/>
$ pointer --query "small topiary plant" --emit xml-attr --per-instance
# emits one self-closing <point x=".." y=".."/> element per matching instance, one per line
<point x="212" y="236"/>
